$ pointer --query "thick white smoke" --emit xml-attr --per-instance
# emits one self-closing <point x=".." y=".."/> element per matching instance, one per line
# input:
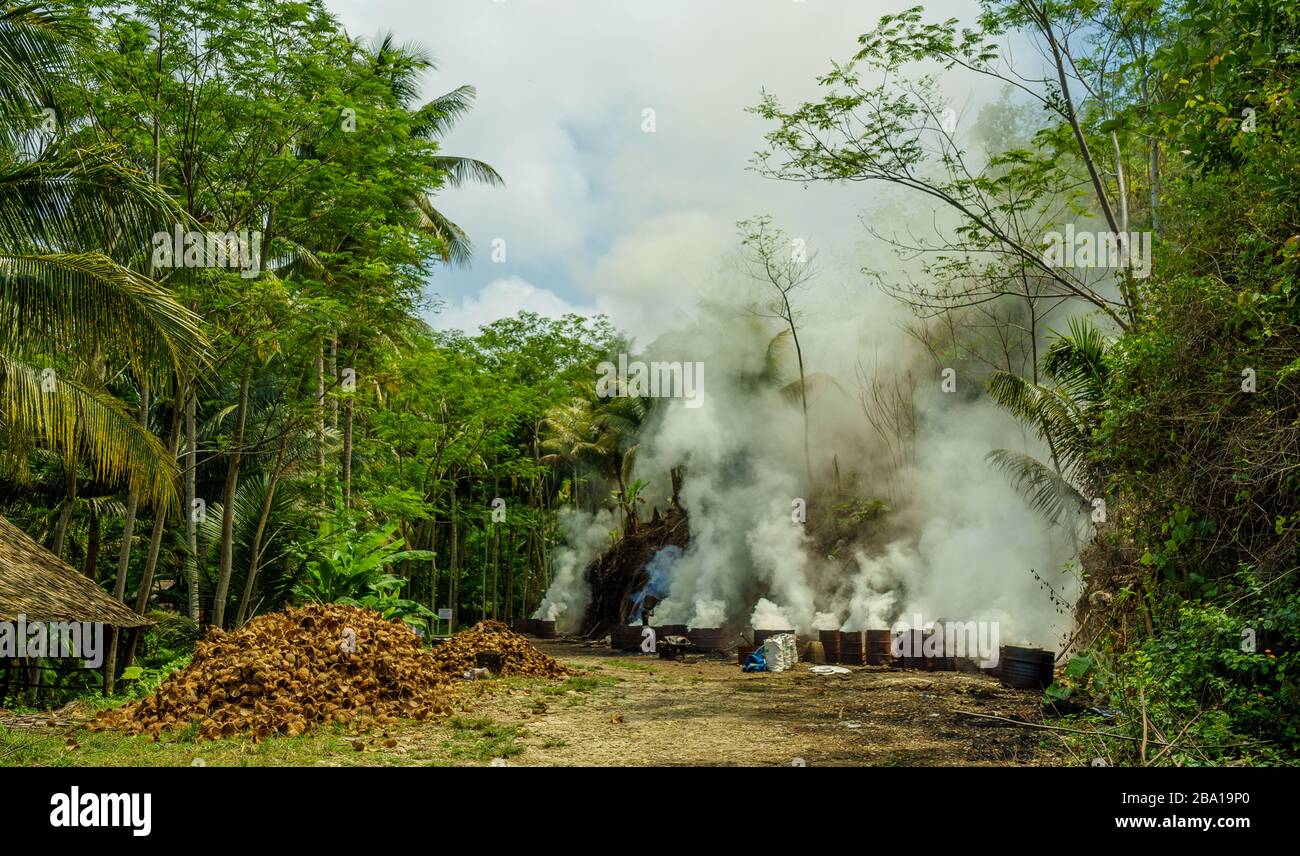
<point x="958" y="542"/>
<point x="567" y="598"/>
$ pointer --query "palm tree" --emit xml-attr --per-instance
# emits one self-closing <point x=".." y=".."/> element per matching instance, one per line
<point x="602" y="435"/>
<point x="1064" y="414"/>
<point x="68" y="310"/>
<point x="401" y="66"/>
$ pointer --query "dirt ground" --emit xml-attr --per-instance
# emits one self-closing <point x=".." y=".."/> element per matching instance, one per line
<point x="623" y="709"/>
<point x="709" y="712"/>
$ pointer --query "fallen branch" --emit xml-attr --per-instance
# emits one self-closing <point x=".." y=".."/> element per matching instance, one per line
<point x="1046" y="727"/>
<point x="1093" y="733"/>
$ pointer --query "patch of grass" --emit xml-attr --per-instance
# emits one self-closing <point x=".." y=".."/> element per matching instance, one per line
<point x="178" y="749"/>
<point x="482" y="739"/>
<point x="553" y="743"/>
<point x="581" y="684"/>
<point x="633" y="665"/>
<point x="755" y="687"/>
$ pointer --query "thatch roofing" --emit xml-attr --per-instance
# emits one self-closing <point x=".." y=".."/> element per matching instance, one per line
<point x="38" y="585"/>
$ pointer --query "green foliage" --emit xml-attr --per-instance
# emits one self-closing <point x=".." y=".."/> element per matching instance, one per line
<point x="1221" y="676"/>
<point x="346" y="565"/>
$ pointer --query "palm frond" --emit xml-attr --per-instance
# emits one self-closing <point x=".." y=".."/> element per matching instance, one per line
<point x="88" y="425"/>
<point x="1047" y="492"/>
<point x="457" y="247"/>
<point x="88" y="197"/>
<point x="71" y="302"/>
<point x="440" y="115"/>
<point x="36" y="45"/>
<point x="461" y="170"/>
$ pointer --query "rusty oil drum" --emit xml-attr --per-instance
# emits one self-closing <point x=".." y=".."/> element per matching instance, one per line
<point x="830" y="640"/>
<point x="851" y="647"/>
<point x="879" y="650"/>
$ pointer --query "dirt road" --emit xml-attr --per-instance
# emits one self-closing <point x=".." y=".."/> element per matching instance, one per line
<point x="639" y="710"/>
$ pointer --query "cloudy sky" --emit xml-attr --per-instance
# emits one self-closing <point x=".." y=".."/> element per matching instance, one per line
<point x="599" y="215"/>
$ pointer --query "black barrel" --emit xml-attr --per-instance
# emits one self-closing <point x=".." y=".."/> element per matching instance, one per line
<point x="490" y="660"/>
<point x="851" y="647"/>
<point x="1026" y="668"/>
<point x="663" y="630"/>
<point x="879" y="652"/>
<point x="830" y="640"/>
<point x="761" y="636"/>
<point x="909" y="648"/>
<point x="705" y="638"/>
<point x="940" y="660"/>
<point x="632" y="637"/>
<point x="545" y="629"/>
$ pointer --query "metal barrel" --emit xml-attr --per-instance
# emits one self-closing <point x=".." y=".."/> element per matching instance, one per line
<point x="632" y="637"/>
<point x="545" y="629"/>
<point x="908" y="648"/>
<point x="851" y="647"/>
<point x="705" y="638"/>
<point x="1026" y="668"/>
<point x="941" y="660"/>
<point x="879" y="652"/>
<point x="830" y="640"/>
<point x="761" y="636"/>
<point x="743" y="652"/>
<point x="663" y="630"/>
<point x="490" y="660"/>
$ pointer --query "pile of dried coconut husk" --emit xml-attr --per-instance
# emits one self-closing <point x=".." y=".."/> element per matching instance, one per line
<point x="517" y="656"/>
<point x="286" y="671"/>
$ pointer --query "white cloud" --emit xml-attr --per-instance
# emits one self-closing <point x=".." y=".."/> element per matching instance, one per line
<point x="502" y="298"/>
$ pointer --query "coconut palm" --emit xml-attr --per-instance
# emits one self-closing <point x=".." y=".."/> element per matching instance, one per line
<point x="603" y="436"/>
<point x="67" y="309"/>
<point x="1064" y="412"/>
<point x="401" y="67"/>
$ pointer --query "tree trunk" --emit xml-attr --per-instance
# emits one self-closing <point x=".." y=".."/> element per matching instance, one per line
<point x="433" y="564"/>
<point x="124" y="557"/>
<point x="65" y="514"/>
<point x="348" y="410"/>
<point x="255" y="551"/>
<point x="334" y="380"/>
<point x="91" y="568"/>
<point x="191" y="490"/>
<point x="510" y="574"/>
<point x="228" y="505"/>
<point x="320" y="425"/>
<point x="453" y="585"/>
<point x="155" y="538"/>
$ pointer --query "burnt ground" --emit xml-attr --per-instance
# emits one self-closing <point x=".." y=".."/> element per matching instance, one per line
<point x="650" y="712"/>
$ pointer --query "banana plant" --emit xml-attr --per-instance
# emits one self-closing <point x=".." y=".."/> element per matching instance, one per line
<point x="346" y="565"/>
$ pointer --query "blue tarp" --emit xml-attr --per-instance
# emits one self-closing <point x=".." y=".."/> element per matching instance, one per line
<point x="756" y="662"/>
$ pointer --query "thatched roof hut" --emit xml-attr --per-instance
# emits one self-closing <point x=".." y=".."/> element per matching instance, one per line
<point x="37" y="584"/>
